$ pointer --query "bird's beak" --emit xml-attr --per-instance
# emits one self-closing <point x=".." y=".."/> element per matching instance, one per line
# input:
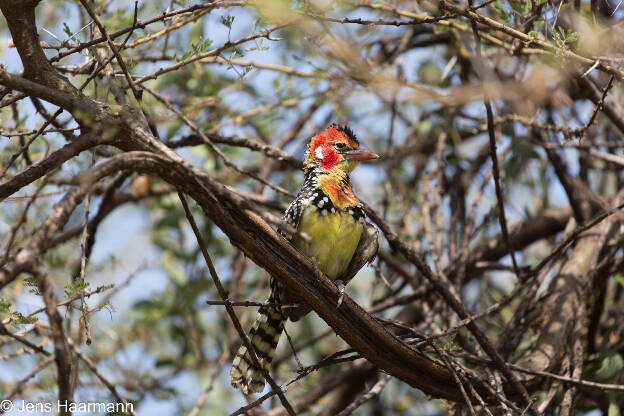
<point x="360" y="155"/>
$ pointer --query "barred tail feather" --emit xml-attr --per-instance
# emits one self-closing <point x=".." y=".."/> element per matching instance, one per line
<point x="264" y="336"/>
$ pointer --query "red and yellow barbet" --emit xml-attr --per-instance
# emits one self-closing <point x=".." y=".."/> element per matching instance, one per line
<point x="327" y="210"/>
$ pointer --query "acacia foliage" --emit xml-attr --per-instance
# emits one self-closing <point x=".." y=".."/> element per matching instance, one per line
<point x="498" y="284"/>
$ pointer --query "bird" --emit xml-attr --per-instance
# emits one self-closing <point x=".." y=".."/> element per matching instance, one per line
<point x="340" y="242"/>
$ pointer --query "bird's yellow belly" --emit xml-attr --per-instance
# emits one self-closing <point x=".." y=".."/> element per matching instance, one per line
<point x="334" y="238"/>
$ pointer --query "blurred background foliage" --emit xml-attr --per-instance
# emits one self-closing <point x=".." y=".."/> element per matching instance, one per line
<point x="407" y="79"/>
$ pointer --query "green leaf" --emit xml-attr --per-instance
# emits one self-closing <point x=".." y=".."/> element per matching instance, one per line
<point x="67" y="30"/>
<point x="610" y="368"/>
<point x="562" y="37"/>
<point x="517" y="6"/>
<point x="236" y="53"/>
<point x="19" y="319"/>
<point x="206" y="44"/>
<point x="527" y="7"/>
<point x="75" y="287"/>
<point x="227" y="21"/>
<point x="30" y="282"/>
<point x="186" y="55"/>
<point x="4" y="305"/>
<point x="571" y="37"/>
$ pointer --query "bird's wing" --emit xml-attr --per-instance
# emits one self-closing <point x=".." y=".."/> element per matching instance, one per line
<point x="364" y="253"/>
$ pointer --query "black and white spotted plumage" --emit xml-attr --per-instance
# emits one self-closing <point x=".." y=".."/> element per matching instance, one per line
<point x="311" y="194"/>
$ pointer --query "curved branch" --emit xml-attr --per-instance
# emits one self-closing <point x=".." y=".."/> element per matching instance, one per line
<point x="248" y="231"/>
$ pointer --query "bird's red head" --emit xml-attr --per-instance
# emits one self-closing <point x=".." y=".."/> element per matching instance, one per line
<point x="336" y="148"/>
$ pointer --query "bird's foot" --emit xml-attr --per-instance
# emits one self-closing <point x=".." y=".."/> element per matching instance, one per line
<point x="341" y="290"/>
<point x="317" y="268"/>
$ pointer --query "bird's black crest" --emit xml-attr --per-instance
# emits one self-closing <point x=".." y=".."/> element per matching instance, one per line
<point x="347" y="131"/>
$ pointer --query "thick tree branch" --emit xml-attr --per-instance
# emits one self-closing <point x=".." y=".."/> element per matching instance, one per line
<point x="55" y="160"/>
<point x="260" y="242"/>
<point x="66" y="100"/>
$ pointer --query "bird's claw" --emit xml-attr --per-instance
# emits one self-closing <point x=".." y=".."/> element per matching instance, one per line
<point x="339" y="283"/>
<point x="317" y="268"/>
<point x="341" y="289"/>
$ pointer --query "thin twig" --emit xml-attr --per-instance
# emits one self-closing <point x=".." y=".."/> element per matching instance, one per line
<point x="373" y="392"/>
<point x="128" y="407"/>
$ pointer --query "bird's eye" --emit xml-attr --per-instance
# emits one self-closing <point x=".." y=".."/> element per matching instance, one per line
<point x="340" y="146"/>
